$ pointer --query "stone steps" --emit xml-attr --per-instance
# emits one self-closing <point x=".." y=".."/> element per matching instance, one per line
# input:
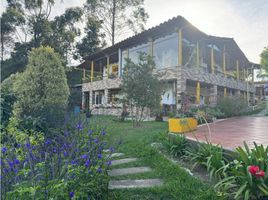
<point x="123" y="161"/>
<point x="126" y="171"/>
<point x="142" y="183"/>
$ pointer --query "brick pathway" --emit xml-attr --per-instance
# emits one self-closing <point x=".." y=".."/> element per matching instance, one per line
<point x="231" y="132"/>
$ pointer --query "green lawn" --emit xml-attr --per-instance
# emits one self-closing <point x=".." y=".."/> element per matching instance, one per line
<point x="136" y="142"/>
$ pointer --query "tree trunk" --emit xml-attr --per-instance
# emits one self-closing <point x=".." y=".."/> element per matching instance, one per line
<point x="113" y="21"/>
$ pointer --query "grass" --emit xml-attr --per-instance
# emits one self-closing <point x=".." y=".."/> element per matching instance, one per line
<point x="136" y="142"/>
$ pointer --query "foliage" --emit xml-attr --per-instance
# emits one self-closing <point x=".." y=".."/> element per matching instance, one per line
<point x="264" y="60"/>
<point x="70" y="164"/>
<point x="232" y="106"/>
<point x="42" y="91"/>
<point x="175" y="144"/>
<point x="118" y="16"/>
<point x="140" y="87"/>
<point x="209" y="156"/>
<point x="91" y="42"/>
<point x="247" y="174"/>
<point x="8" y="99"/>
<point x="28" y="24"/>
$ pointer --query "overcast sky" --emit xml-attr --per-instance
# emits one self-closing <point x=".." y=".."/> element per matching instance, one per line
<point x="244" y="20"/>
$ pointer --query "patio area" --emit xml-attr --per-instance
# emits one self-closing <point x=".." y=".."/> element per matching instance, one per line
<point x="232" y="132"/>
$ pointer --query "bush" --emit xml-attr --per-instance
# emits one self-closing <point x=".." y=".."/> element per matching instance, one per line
<point x="69" y="165"/>
<point x="232" y="106"/>
<point x="209" y="156"/>
<point x="247" y="175"/>
<point x="175" y="144"/>
<point x="42" y="91"/>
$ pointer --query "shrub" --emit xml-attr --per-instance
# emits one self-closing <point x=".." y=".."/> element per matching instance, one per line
<point x="175" y="144"/>
<point x="209" y="156"/>
<point x="247" y="176"/>
<point x="69" y="165"/>
<point x="42" y="91"/>
<point x="232" y="106"/>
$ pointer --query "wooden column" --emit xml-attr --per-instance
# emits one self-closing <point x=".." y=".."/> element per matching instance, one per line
<point x="180" y="48"/>
<point x="84" y="73"/>
<point x="237" y="69"/>
<point x="212" y="59"/>
<point x="225" y="92"/>
<point x="151" y="47"/>
<point x="197" y="55"/>
<point x="224" y="61"/>
<point x="108" y="66"/>
<point x="92" y="71"/>
<point x="198" y="92"/>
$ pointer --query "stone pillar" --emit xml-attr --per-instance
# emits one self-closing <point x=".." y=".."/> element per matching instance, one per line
<point x="213" y="95"/>
<point x="90" y="99"/>
<point x="83" y="100"/>
<point x="180" y="89"/>
<point x="105" y="100"/>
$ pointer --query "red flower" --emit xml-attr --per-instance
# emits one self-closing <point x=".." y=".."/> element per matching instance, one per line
<point x="260" y="174"/>
<point x="253" y="169"/>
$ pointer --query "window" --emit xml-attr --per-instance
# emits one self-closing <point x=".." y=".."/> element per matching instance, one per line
<point x="165" y="51"/>
<point x="135" y="52"/>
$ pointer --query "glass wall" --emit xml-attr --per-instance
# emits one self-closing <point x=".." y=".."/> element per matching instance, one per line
<point x="135" y="52"/>
<point x="165" y="51"/>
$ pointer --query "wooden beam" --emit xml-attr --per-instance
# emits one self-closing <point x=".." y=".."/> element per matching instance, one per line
<point x="92" y="71"/>
<point x="224" y="61"/>
<point x="197" y="55"/>
<point x="212" y="59"/>
<point x="237" y="69"/>
<point x="180" y="48"/>
<point x="198" y="92"/>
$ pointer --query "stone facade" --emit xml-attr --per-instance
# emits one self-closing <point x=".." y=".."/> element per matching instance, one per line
<point x="177" y="74"/>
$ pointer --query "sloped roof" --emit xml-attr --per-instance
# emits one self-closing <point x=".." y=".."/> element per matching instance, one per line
<point x="190" y="32"/>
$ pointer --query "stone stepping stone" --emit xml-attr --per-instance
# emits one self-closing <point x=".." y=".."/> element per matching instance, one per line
<point x="114" y="155"/>
<point x="142" y="183"/>
<point x="131" y="170"/>
<point x="123" y="161"/>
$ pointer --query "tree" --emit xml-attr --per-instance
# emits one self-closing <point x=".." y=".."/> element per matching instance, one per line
<point x="141" y="87"/>
<point x="118" y="16"/>
<point x="264" y="60"/>
<point x="42" y="91"/>
<point x="92" y="40"/>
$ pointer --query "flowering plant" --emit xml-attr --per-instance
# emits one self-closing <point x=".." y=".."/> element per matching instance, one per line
<point x="71" y="164"/>
<point x="246" y="176"/>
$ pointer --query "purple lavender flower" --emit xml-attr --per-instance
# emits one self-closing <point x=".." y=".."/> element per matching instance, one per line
<point x="11" y="164"/>
<point x="79" y="126"/>
<point x="103" y="132"/>
<point x="71" y="195"/>
<point x="47" y="142"/>
<point x="99" y="170"/>
<point x="96" y="141"/>
<point x="87" y="163"/>
<point x="16" y="161"/>
<point x="73" y="162"/>
<point x="109" y="163"/>
<point x="65" y="153"/>
<point x="99" y="156"/>
<point x="4" y="150"/>
<point x="28" y="145"/>
<point x="84" y="156"/>
<point x="111" y="149"/>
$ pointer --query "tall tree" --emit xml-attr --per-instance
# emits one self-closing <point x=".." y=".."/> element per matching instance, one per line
<point x="92" y="40"/>
<point x="141" y="87"/>
<point x="118" y="17"/>
<point x="11" y="18"/>
<point x="264" y="60"/>
<point x="42" y="90"/>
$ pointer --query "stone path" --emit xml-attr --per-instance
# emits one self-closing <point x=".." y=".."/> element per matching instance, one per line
<point x="130" y="183"/>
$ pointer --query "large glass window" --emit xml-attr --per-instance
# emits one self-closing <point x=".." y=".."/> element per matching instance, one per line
<point x="135" y="52"/>
<point x="165" y="51"/>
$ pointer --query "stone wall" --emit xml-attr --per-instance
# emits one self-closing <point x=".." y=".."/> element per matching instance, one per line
<point x="216" y="79"/>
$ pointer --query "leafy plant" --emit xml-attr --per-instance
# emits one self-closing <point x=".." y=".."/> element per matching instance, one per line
<point x="71" y="164"/>
<point x="175" y="144"/>
<point x="247" y="174"/>
<point x="209" y="156"/>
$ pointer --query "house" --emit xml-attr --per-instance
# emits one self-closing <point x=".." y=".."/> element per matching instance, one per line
<point x="195" y="66"/>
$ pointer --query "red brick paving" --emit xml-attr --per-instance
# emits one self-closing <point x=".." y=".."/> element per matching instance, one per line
<point x="231" y="133"/>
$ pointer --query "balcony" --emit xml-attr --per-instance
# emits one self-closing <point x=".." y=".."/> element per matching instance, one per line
<point x="218" y="78"/>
